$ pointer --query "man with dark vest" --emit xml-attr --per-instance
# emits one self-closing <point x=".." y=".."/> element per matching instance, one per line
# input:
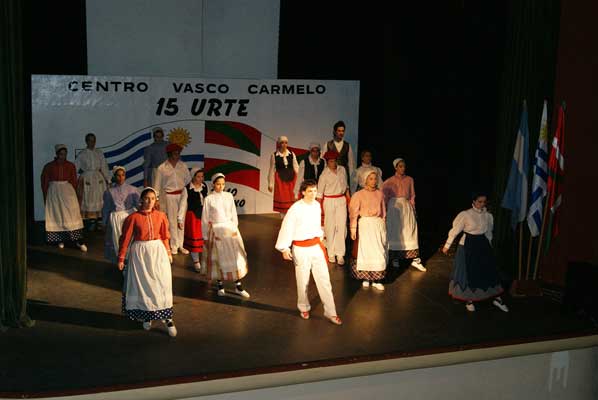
<point x="343" y="148"/>
<point x="310" y="167"/>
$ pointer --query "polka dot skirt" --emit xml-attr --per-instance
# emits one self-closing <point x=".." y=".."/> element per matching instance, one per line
<point x="143" y="315"/>
<point x="64" y="236"/>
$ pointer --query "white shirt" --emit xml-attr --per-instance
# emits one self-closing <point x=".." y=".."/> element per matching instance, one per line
<point x="357" y="176"/>
<point x="92" y="160"/>
<point x="171" y="179"/>
<point x="272" y="169"/>
<point x="332" y="183"/>
<point x="301" y="222"/>
<point x="473" y="221"/>
<point x="218" y="208"/>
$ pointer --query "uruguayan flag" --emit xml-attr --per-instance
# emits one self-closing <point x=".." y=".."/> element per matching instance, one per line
<point x="128" y="153"/>
<point x="535" y="214"/>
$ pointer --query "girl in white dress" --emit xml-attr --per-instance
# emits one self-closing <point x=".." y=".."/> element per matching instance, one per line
<point x="224" y="258"/>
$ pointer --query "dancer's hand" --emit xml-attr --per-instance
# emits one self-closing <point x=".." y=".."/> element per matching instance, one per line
<point x="121" y="265"/>
<point x="445" y="250"/>
<point x="353" y="235"/>
<point x="170" y="258"/>
<point x="270" y="188"/>
<point x="287" y="255"/>
<point x="180" y="225"/>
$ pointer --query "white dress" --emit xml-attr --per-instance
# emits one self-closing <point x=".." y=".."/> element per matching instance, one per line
<point x="93" y="171"/>
<point x="225" y="257"/>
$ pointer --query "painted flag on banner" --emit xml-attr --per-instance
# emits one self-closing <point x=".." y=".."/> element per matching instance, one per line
<point x="536" y="210"/>
<point x="128" y="153"/>
<point x="234" y="171"/>
<point x="556" y="174"/>
<point x="233" y="134"/>
<point x="515" y="197"/>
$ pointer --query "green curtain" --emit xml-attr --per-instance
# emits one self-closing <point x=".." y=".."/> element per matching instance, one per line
<point x="528" y="73"/>
<point x="13" y="194"/>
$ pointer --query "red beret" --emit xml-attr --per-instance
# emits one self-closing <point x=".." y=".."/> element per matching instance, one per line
<point x="331" y="155"/>
<point x="173" y="147"/>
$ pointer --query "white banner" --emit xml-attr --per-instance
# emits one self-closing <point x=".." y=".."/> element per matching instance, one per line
<point x="230" y="126"/>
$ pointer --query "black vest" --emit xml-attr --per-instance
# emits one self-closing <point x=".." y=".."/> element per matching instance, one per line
<point x="195" y="199"/>
<point x="286" y="173"/>
<point x="313" y="173"/>
<point x="343" y="155"/>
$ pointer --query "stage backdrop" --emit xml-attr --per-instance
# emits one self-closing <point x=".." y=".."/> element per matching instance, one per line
<point x="227" y="126"/>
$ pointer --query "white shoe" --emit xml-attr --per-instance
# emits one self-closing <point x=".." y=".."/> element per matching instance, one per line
<point x="147" y="325"/>
<point x="174" y="252"/>
<point x="82" y="247"/>
<point x="378" y="286"/>
<point x="242" y="293"/>
<point x="365" y="284"/>
<point x="171" y="328"/>
<point x="340" y="260"/>
<point x="61" y="245"/>
<point x="418" y="265"/>
<point x="197" y="266"/>
<point x="184" y="250"/>
<point x="331" y="260"/>
<point x="221" y="292"/>
<point x="470" y="307"/>
<point x="502" y="306"/>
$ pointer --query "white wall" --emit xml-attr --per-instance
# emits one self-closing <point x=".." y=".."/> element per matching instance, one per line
<point x="193" y="38"/>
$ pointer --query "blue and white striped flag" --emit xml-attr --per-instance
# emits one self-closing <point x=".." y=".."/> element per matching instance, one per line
<point x="128" y="153"/>
<point x="535" y="213"/>
<point x="515" y="197"/>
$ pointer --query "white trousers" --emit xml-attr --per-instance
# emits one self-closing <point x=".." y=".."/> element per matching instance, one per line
<point x="335" y="225"/>
<point x="172" y="210"/>
<point x="312" y="260"/>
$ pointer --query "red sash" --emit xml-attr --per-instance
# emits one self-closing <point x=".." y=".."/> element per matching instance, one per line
<point x="312" y="242"/>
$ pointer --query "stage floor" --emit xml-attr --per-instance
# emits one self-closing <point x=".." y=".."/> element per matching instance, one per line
<point x="81" y="342"/>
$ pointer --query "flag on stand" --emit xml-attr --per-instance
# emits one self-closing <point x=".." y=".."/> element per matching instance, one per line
<point x="515" y="197"/>
<point x="536" y="210"/>
<point x="556" y="174"/>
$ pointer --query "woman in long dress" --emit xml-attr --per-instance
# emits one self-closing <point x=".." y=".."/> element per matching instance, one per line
<point x="93" y="181"/>
<point x="189" y="217"/>
<point x="120" y="201"/>
<point x="475" y="276"/>
<point x="401" y="225"/>
<point x="367" y="212"/>
<point x="147" y="290"/>
<point x="225" y="258"/>
<point x="59" y="185"/>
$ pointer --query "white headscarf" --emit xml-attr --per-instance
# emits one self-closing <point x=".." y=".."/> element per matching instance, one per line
<point x="396" y="161"/>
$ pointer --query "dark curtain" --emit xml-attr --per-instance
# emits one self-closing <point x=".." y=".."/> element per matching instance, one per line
<point x="13" y="198"/>
<point x="528" y="73"/>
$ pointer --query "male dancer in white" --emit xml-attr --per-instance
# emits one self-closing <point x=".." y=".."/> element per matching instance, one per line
<point x="299" y="240"/>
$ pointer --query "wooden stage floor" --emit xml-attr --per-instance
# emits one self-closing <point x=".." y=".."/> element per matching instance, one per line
<point x="81" y="342"/>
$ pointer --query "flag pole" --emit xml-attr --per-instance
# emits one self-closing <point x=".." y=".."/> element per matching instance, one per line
<point x="520" y="247"/>
<point x="529" y="256"/>
<point x="541" y="239"/>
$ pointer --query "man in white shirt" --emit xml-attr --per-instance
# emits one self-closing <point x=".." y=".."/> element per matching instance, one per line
<point x="170" y="180"/>
<point x="333" y="192"/>
<point x="299" y="240"/>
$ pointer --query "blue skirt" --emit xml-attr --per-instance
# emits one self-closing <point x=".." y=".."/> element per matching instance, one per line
<point x="475" y="276"/>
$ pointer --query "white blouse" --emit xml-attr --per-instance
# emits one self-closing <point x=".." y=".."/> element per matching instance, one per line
<point x="301" y="222"/>
<point x="331" y="183"/>
<point x="473" y="221"/>
<point x="218" y="208"/>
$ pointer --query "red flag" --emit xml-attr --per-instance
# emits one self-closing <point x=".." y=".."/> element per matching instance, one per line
<point x="556" y="174"/>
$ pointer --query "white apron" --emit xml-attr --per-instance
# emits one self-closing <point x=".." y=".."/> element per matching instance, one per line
<point x="401" y="225"/>
<point x="62" y="208"/>
<point x="372" y="250"/>
<point x="148" y="282"/>
<point x="94" y="187"/>
<point x="225" y="258"/>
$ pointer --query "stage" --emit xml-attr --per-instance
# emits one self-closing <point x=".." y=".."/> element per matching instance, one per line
<point x="81" y="343"/>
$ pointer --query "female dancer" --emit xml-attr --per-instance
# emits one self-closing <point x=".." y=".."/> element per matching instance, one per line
<point x="190" y="210"/>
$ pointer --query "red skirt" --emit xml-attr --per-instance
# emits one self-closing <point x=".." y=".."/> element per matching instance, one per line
<point x="193" y="240"/>
<point x="284" y="195"/>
